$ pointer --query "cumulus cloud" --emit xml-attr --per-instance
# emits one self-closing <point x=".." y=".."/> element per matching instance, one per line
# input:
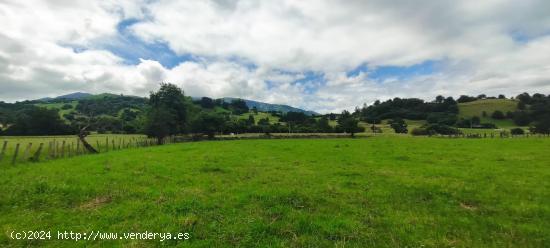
<point x="268" y="50"/>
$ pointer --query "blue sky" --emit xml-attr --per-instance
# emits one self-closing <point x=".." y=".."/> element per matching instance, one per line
<point x="315" y="54"/>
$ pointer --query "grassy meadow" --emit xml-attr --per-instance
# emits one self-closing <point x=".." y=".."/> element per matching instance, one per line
<point x="387" y="191"/>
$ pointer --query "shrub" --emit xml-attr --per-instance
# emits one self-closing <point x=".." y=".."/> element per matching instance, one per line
<point x="420" y="131"/>
<point x="442" y="129"/>
<point x="517" y="131"/>
<point x="67" y="106"/>
<point x="487" y="126"/>
<point x="498" y="115"/>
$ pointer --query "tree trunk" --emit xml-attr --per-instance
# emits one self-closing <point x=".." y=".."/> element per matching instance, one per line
<point x="82" y="136"/>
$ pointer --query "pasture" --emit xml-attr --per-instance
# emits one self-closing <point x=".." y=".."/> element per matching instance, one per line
<point x="386" y="191"/>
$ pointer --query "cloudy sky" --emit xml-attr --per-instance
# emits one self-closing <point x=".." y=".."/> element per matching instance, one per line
<point x="323" y="55"/>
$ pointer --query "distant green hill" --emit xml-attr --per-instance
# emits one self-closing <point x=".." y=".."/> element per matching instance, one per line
<point x="476" y="108"/>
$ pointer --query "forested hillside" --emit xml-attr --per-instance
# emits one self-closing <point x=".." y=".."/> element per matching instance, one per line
<point x="180" y="114"/>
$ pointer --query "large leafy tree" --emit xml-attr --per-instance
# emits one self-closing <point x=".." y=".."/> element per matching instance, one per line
<point x="167" y="114"/>
<point x="348" y="124"/>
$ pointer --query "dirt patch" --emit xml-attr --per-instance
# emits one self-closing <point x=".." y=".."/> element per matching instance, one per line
<point x="468" y="206"/>
<point x="96" y="202"/>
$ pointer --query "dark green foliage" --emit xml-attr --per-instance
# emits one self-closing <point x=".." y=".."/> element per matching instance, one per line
<point x="160" y="123"/>
<point x="517" y="131"/>
<point x="167" y="114"/>
<point x="521" y="118"/>
<point x="398" y="125"/>
<point x="238" y="106"/>
<point x="442" y="118"/>
<point x="501" y="96"/>
<point x="464" y="99"/>
<point x="38" y="121"/>
<point x="542" y="125"/>
<point x="347" y="123"/>
<point x="420" y="131"/>
<point x="411" y="108"/>
<point x="207" y="103"/>
<point x="323" y="125"/>
<point x="208" y="123"/>
<point x="522" y="106"/>
<point x="498" y="115"/>
<point x="442" y="129"/>
<point x="251" y="120"/>
<point x="109" y="105"/>
<point x="67" y="106"/>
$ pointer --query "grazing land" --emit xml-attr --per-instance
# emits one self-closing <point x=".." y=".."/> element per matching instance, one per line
<point x="476" y="108"/>
<point x="386" y="191"/>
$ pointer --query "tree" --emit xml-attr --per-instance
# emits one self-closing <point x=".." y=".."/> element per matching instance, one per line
<point x="159" y="124"/>
<point x="517" y="131"/>
<point x="323" y="125"/>
<point x="476" y="120"/>
<point x="38" y="121"/>
<point x="167" y="114"/>
<point x="499" y="115"/>
<point x="238" y="106"/>
<point x="208" y="123"/>
<point x="464" y="98"/>
<point x="501" y="96"/>
<point x="207" y="102"/>
<point x="348" y="124"/>
<point x="398" y="125"/>
<point x="522" y="118"/>
<point x="521" y="106"/>
<point x="251" y="120"/>
<point x="542" y="125"/>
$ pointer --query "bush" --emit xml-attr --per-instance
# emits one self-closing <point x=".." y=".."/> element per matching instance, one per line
<point x="442" y="129"/>
<point x="420" y="131"/>
<point x="498" y="115"/>
<point x="67" y="106"/>
<point x="517" y="131"/>
<point x="487" y="126"/>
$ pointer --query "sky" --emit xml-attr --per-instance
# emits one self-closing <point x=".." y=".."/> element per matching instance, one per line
<point x="321" y="55"/>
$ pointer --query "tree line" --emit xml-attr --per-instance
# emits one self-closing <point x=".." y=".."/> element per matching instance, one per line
<point x="169" y="111"/>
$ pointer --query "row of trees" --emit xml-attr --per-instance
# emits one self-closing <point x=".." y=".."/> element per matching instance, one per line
<point x="171" y="113"/>
<point x="168" y="112"/>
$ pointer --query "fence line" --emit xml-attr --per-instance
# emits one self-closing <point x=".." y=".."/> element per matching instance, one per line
<point x="63" y="149"/>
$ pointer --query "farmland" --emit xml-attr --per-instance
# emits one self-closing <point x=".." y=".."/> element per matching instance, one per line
<point x="387" y="191"/>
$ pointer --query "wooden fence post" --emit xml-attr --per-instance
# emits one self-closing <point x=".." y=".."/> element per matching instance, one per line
<point x="36" y="156"/>
<point x="113" y="141"/>
<point x="3" y="150"/>
<point x="15" y="154"/>
<point x="63" y="149"/>
<point x="77" y="147"/>
<point x="106" y="144"/>
<point x="97" y="143"/>
<point x="27" y="151"/>
<point x="50" y="153"/>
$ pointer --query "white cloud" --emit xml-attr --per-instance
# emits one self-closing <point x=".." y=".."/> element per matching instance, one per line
<point x="492" y="47"/>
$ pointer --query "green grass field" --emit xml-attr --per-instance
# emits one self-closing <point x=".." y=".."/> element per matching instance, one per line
<point x="371" y="192"/>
